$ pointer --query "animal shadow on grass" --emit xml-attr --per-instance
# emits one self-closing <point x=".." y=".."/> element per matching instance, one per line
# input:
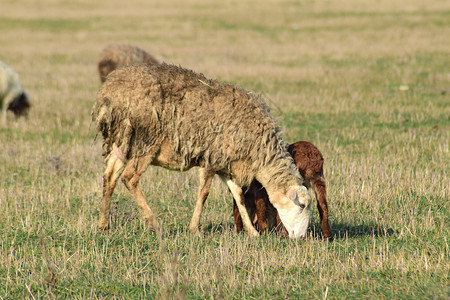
<point x="338" y="230"/>
<point x="122" y="213"/>
<point x="346" y="230"/>
<point x="205" y="230"/>
<point x="215" y="228"/>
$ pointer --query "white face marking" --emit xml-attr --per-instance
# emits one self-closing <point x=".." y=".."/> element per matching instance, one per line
<point x="295" y="214"/>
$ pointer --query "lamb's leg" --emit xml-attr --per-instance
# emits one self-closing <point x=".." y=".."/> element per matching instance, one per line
<point x="238" y="195"/>
<point x="321" y="195"/>
<point x="271" y="215"/>
<point x="237" y="217"/>
<point x="114" y="168"/>
<point x="260" y="205"/>
<point x="130" y="177"/>
<point x="261" y="214"/>
<point x="206" y="178"/>
<point x="280" y="229"/>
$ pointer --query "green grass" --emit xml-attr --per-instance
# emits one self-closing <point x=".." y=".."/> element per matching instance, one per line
<point x="368" y="83"/>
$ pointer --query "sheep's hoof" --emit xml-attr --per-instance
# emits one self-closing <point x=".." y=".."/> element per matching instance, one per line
<point x="151" y="224"/>
<point x="328" y="238"/>
<point x="152" y="228"/>
<point x="103" y="227"/>
<point x="195" y="231"/>
<point x="103" y="223"/>
<point x="253" y="233"/>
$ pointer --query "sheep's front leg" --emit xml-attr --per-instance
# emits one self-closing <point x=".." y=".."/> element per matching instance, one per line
<point x="6" y="101"/>
<point x="114" y="168"/>
<point x="206" y="178"/>
<point x="238" y="195"/>
<point x="4" y="112"/>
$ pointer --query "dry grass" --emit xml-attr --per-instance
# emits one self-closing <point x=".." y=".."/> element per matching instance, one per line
<point x="333" y="72"/>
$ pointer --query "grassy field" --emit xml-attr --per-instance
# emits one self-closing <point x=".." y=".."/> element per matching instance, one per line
<point x="368" y="82"/>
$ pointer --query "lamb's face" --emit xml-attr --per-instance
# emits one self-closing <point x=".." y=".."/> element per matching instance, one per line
<point x="294" y="209"/>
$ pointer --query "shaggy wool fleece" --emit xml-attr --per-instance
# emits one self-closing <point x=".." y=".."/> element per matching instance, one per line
<point x="142" y="108"/>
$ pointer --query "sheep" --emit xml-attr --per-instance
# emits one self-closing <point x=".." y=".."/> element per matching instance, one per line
<point x="309" y="161"/>
<point x="172" y="117"/>
<point x="12" y="95"/>
<point x="115" y="56"/>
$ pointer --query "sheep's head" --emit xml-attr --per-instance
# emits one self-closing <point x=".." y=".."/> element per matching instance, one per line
<point x="20" y="105"/>
<point x="105" y="67"/>
<point x="294" y="209"/>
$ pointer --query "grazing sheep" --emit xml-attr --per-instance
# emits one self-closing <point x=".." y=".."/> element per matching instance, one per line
<point x="115" y="56"/>
<point x="171" y="117"/>
<point x="309" y="161"/>
<point x="12" y="95"/>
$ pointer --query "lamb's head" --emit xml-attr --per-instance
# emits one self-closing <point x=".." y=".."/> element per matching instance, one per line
<point x="294" y="208"/>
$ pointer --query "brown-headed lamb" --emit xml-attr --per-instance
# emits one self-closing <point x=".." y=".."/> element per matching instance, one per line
<point x="172" y="117"/>
<point x="309" y="161"/>
<point x="115" y="56"/>
<point x="12" y="95"/>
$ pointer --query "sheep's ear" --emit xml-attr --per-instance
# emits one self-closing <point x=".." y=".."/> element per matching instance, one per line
<point x="292" y="194"/>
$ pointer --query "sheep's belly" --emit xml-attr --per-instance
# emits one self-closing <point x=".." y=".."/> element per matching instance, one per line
<point x="167" y="164"/>
<point x="168" y="158"/>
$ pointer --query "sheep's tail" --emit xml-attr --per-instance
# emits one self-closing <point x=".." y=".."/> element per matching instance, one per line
<point x="318" y="183"/>
<point x="126" y="138"/>
<point x="115" y="130"/>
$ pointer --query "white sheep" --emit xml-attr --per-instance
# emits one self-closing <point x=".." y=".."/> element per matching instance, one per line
<point x="168" y="116"/>
<point x="12" y="95"/>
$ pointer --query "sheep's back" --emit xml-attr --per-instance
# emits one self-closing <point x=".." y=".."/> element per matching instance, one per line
<point x="203" y="120"/>
<point x="9" y="81"/>
<point x="124" y="54"/>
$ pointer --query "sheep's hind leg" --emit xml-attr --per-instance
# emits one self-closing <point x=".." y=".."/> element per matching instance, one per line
<point x="206" y="178"/>
<point x="238" y="195"/>
<point x="130" y="177"/>
<point x="114" y="168"/>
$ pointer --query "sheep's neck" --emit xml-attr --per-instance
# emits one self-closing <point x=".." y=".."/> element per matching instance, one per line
<point x="278" y="178"/>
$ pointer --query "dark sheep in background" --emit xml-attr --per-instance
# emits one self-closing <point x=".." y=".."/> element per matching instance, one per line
<point x="169" y="116"/>
<point x="115" y="56"/>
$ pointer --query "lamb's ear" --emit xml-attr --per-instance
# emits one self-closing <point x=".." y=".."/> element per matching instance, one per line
<point x="292" y="194"/>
